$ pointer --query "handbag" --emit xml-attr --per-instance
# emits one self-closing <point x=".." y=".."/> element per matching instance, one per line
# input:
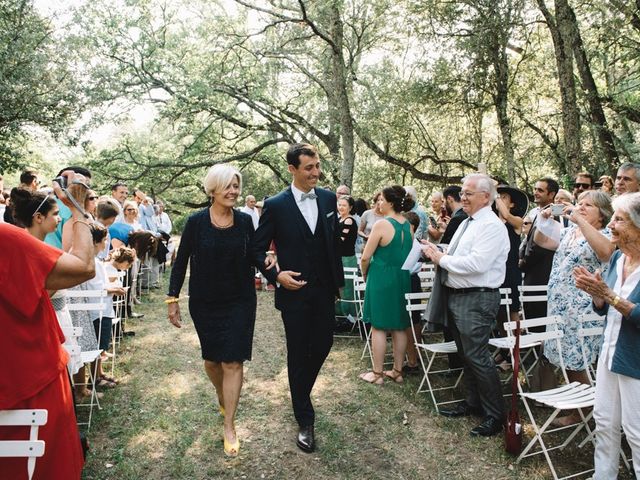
<point x="513" y="430"/>
<point x="542" y="376"/>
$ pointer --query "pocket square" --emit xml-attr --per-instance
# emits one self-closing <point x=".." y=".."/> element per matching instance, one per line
<point x="329" y="214"/>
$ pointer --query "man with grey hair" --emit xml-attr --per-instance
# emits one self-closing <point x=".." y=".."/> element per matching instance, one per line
<point x="627" y="178"/>
<point x="421" y="231"/>
<point x="342" y="190"/>
<point x="471" y="273"/>
<point x="251" y="210"/>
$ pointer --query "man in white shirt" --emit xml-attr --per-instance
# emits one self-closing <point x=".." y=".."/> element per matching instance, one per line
<point x="473" y="269"/>
<point x="251" y="210"/>
<point x="163" y="222"/>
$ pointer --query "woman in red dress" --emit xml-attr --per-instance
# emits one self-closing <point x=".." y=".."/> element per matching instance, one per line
<point x="32" y="340"/>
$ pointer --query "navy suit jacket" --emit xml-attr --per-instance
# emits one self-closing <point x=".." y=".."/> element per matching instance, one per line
<point x="282" y="222"/>
<point x="626" y="359"/>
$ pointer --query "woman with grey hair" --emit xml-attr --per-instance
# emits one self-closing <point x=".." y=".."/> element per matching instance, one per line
<point x="616" y="294"/>
<point x="218" y="242"/>
<point x="584" y="244"/>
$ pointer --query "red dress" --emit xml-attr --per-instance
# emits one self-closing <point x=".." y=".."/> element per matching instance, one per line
<point x="32" y="360"/>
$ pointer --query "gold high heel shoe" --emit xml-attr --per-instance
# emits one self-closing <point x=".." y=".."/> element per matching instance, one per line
<point x="231" y="449"/>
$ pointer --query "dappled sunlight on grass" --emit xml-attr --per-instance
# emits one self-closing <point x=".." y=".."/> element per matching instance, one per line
<point x="175" y="385"/>
<point x="151" y="444"/>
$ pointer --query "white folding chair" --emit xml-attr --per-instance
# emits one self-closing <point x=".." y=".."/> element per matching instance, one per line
<point x="351" y="277"/>
<point x="32" y="448"/>
<point x="429" y="352"/>
<point x="591" y="325"/>
<point x="90" y="356"/>
<point x="571" y="396"/>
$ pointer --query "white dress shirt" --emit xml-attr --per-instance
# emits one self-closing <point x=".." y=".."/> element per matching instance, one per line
<point x="614" y="317"/>
<point x="253" y="213"/>
<point x="308" y="207"/>
<point x="480" y="257"/>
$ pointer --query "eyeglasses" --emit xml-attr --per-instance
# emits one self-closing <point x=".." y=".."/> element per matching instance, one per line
<point x="584" y="186"/>
<point x="40" y="206"/>
<point x="469" y="194"/>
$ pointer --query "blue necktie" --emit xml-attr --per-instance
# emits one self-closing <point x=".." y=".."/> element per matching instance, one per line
<point x="310" y="196"/>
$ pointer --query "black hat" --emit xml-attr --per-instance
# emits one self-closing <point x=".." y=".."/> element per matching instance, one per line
<point x="519" y="199"/>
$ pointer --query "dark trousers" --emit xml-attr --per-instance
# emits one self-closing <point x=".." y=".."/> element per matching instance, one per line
<point x="309" y="330"/>
<point x="471" y="318"/>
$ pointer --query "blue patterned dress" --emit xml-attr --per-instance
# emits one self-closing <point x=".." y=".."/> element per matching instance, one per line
<point x="569" y="302"/>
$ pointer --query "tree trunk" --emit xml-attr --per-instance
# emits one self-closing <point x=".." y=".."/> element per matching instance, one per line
<point x="501" y="96"/>
<point x="598" y="118"/>
<point x="564" y="63"/>
<point x="339" y="81"/>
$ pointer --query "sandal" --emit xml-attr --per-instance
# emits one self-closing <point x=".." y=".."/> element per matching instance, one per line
<point x="376" y="378"/>
<point x="109" y="379"/>
<point x="104" y="383"/>
<point x="231" y="449"/>
<point x="395" y="375"/>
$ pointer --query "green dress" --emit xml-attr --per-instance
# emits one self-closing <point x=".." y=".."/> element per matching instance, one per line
<point x="387" y="283"/>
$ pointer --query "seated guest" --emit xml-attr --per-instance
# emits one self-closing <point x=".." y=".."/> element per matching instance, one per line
<point x="617" y="296"/>
<point x="32" y="339"/>
<point x="384" y="304"/>
<point x="585" y="244"/>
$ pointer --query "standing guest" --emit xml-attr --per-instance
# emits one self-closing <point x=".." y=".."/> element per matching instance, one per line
<point x="145" y="211"/>
<point x="628" y="178"/>
<point x="437" y="204"/>
<point x="606" y="184"/>
<point x="303" y="222"/>
<point x="583" y="182"/>
<point x="91" y="203"/>
<point x="106" y="214"/>
<point x="387" y="283"/>
<point x="535" y="260"/>
<point x="473" y="268"/>
<point x="585" y="244"/>
<point x="217" y="242"/>
<point x="55" y="238"/>
<point x="342" y="190"/>
<point x="250" y="209"/>
<point x="412" y="367"/>
<point x="348" y="232"/>
<point x="512" y="204"/>
<point x="359" y="207"/>
<point x="162" y="220"/>
<point x="457" y="214"/>
<point x="370" y="217"/>
<point x="617" y="296"/>
<point x="32" y="339"/>
<point x="421" y="233"/>
<point x="120" y="192"/>
<point x="565" y="197"/>
<point x="29" y="180"/>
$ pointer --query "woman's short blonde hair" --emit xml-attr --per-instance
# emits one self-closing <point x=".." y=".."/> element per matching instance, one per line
<point x="220" y="177"/>
<point x="129" y="204"/>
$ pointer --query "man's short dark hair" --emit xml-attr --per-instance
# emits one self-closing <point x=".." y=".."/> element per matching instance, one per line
<point x="298" y="149"/>
<point x="452" y="191"/>
<point x="75" y="169"/>
<point x="586" y="175"/>
<point x="552" y="185"/>
<point x="28" y="176"/>
<point x="117" y="185"/>
<point x="106" y="210"/>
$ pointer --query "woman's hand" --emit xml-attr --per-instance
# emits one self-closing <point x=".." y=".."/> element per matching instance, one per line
<point x="592" y="284"/>
<point x="271" y="261"/>
<point x="76" y="186"/>
<point x="174" y="314"/>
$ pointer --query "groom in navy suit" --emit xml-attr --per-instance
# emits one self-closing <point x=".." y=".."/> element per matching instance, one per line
<point x="302" y="221"/>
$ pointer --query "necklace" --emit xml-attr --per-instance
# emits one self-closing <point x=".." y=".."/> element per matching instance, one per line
<point x="216" y="224"/>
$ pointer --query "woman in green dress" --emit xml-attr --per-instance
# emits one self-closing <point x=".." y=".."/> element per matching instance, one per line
<point x="384" y="303"/>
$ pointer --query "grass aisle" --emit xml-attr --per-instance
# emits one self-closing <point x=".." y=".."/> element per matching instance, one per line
<point x="161" y="421"/>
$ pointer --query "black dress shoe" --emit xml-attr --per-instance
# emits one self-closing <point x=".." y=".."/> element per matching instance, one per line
<point x="462" y="409"/>
<point x="489" y="427"/>
<point x="306" y="440"/>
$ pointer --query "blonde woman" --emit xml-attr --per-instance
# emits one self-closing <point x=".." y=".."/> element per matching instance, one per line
<point x="222" y="297"/>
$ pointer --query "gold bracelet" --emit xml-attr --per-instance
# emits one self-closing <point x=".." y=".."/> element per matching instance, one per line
<point x="171" y="300"/>
<point x="615" y="301"/>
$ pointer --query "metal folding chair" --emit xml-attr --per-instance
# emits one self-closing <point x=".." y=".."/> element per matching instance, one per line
<point x="32" y="448"/>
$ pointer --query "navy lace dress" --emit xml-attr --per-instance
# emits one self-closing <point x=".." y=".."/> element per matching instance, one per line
<point x="222" y="296"/>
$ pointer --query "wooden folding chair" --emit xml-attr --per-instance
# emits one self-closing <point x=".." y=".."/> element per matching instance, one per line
<point x="32" y="448"/>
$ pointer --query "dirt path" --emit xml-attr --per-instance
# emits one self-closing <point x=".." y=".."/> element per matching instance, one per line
<point x="161" y="423"/>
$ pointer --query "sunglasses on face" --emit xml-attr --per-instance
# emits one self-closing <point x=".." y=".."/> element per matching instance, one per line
<point x="129" y="209"/>
<point x="584" y="186"/>
<point x="92" y="197"/>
